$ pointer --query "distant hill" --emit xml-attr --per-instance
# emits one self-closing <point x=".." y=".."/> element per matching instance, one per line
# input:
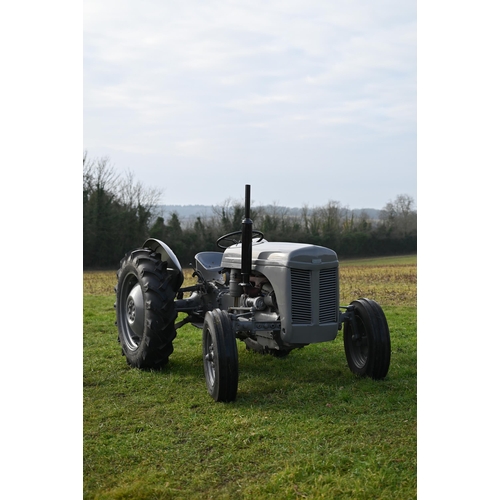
<point x="188" y="213"/>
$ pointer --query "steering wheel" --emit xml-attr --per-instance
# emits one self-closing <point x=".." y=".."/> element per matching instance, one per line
<point x="231" y="237"/>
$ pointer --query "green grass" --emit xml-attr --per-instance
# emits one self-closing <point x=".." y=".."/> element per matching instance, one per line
<point x="301" y="427"/>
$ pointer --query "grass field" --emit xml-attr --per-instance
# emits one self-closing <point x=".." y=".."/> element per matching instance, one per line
<point x="301" y="427"/>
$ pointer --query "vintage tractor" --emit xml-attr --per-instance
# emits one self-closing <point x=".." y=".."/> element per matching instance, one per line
<point x="275" y="297"/>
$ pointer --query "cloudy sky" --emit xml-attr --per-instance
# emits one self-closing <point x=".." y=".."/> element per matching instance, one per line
<point x="307" y="101"/>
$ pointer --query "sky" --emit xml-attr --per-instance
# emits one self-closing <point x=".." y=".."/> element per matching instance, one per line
<point x="306" y="101"/>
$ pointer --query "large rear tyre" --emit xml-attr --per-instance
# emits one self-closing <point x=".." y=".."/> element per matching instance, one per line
<point x="367" y="342"/>
<point x="220" y="356"/>
<point x="145" y="309"/>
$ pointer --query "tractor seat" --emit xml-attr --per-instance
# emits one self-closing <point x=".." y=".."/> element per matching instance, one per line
<point x="209" y="264"/>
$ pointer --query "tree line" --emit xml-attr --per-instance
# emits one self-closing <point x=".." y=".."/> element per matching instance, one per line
<point x="119" y="214"/>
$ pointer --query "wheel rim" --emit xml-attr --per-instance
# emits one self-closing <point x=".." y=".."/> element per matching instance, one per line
<point x="359" y="346"/>
<point x="132" y="313"/>
<point x="209" y="358"/>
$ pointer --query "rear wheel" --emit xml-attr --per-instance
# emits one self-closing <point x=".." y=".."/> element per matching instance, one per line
<point x="366" y="340"/>
<point x="220" y="356"/>
<point x="145" y="309"/>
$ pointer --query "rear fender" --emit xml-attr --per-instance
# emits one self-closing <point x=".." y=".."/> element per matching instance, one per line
<point x="168" y="256"/>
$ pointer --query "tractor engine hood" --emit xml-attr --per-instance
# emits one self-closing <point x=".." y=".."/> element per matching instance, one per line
<point x="293" y="255"/>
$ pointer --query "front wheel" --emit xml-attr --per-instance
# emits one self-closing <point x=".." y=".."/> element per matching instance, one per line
<point x="220" y="356"/>
<point x="367" y="342"/>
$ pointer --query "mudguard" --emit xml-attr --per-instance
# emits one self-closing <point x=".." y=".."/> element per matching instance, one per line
<point x="168" y="256"/>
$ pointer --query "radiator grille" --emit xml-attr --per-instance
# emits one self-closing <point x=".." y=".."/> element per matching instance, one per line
<point x="326" y="311"/>
<point x="301" y="297"/>
<point x="328" y="307"/>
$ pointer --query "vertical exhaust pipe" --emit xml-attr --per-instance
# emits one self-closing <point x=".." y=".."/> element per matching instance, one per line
<point x="246" y="243"/>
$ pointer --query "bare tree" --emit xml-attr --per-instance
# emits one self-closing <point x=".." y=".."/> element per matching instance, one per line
<point x="117" y="212"/>
<point x="99" y="175"/>
<point x="400" y="216"/>
<point x="331" y="216"/>
<point x="133" y="195"/>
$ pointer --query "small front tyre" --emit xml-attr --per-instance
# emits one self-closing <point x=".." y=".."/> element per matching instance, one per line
<point x="367" y="342"/>
<point x="220" y="356"/>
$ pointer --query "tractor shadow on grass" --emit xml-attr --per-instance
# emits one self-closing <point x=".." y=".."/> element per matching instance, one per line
<point x="316" y="375"/>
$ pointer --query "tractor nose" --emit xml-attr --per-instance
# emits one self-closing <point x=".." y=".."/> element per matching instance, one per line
<point x="135" y="310"/>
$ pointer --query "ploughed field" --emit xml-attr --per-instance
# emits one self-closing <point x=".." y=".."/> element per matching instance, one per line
<point x="388" y="280"/>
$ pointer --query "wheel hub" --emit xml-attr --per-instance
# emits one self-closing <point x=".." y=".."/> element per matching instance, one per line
<point x="210" y="356"/>
<point x="131" y="310"/>
<point x="209" y="362"/>
<point x="135" y="310"/>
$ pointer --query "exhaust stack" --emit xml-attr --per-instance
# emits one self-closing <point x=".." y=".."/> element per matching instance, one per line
<point x="246" y="242"/>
